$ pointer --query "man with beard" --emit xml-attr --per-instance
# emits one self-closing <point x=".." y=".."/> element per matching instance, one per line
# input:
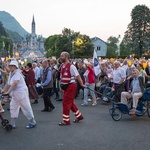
<point x="68" y="75"/>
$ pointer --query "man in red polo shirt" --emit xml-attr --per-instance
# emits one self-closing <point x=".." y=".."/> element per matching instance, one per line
<point x="68" y="75"/>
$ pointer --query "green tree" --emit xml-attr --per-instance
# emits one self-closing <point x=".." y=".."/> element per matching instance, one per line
<point x="2" y="30"/>
<point x="50" y="45"/>
<point x="68" y="41"/>
<point x="6" y="46"/>
<point x="138" y="33"/>
<point x="112" y="46"/>
<point x="125" y="48"/>
<point x="83" y="46"/>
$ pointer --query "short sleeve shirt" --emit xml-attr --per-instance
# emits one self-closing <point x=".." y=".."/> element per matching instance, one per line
<point x="118" y="74"/>
<point x="21" y="82"/>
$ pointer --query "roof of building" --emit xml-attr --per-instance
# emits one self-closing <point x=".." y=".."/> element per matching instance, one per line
<point x="96" y="38"/>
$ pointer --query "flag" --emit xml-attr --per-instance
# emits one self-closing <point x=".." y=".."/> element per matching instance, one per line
<point x="97" y="69"/>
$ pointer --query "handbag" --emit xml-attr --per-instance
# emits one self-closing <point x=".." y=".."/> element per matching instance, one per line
<point x="64" y="86"/>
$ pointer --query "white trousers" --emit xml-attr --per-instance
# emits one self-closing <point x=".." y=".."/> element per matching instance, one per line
<point x="135" y="96"/>
<point x="20" y="99"/>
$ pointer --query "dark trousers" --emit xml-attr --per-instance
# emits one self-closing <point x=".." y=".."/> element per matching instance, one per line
<point x="79" y="87"/>
<point x="56" y="88"/>
<point x="46" y="96"/>
<point x="119" y="88"/>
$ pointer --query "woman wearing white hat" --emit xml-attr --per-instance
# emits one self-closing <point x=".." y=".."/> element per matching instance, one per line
<point x="16" y="87"/>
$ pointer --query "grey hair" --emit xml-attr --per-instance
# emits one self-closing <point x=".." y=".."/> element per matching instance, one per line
<point x="45" y="61"/>
<point x="34" y="63"/>
<point x="117" y="62"/>
<point x="135" y="70"/>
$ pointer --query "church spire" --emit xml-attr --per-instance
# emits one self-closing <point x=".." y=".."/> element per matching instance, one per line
<point x="33" y="26"/>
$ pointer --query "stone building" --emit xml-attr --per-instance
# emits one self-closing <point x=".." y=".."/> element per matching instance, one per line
<point x="32" y="45"/>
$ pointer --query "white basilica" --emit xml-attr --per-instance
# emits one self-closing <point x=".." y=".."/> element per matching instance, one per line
<point x="32" y="44"/>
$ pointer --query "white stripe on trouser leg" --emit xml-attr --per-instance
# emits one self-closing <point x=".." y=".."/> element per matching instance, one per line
<point x="66" y="116"/>
<point x="65" y="119"/>
<point x="76" y="113"/>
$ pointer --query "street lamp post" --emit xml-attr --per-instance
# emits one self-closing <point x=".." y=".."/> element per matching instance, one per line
<point x="73" y="49"/>
<point x="119" y="44"/>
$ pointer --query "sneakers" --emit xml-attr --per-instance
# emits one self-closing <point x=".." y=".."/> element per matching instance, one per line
<point x="30" y="126"/>
<point x="98" y="98"/>
<point x="105" y="99"/>
<point x="94" y="104"/>
<point x="2" y="110"/>
<point x="13" y="127"/>
<point x="89" y="100"/>
<point x="84" y="104"/>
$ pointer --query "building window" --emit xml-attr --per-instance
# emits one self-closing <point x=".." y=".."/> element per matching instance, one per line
<point x="98" y="48"/>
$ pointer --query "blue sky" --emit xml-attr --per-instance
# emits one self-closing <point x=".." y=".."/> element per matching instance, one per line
<point x="101" y="18"/>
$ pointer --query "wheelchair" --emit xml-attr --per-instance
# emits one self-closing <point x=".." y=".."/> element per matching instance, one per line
<point x="118" y="109"/>
<point x="5" y="122"/>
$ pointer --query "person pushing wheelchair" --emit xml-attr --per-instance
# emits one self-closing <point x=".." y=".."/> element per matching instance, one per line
<point x="135" y="92"/>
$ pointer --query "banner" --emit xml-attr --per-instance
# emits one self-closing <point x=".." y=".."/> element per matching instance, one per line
<point x="97" y="69"/>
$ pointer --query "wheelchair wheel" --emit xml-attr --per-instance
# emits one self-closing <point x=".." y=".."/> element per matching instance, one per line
<point x="116" y="114"/>
<point x="111" y="110"/>
<point x="4" y="122"/>
<point x="8" y="127"/>
<point x="148" y="109"/>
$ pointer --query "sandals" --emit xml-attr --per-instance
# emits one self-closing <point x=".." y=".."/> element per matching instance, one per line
<point x="132" y="112"/>
<point x="63" y="124"/>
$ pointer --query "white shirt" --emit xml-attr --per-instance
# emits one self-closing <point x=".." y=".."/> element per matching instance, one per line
<point x="19" y="77"/>
<point x="118" y="74"/>
<point x="74" y="72"/>
<point x="41" y="70"/>
<point x="37" y="72"/>
<point x="125" y="67"/>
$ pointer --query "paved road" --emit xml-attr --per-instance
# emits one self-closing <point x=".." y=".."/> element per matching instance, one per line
<point x="96" y="132"/>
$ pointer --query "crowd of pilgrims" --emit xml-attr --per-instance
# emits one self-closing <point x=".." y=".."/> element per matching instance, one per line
<point x="114" y="78"/>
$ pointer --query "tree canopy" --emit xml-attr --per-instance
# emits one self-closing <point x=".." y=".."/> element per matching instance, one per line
<point x="2" y="30"/>
<point x="76" y="44"/>
<point x="112" y="46"/>
<point x="138" y="34"/>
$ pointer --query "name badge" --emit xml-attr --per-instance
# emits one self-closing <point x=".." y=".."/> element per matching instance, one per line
<point x="65" y="74"/>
